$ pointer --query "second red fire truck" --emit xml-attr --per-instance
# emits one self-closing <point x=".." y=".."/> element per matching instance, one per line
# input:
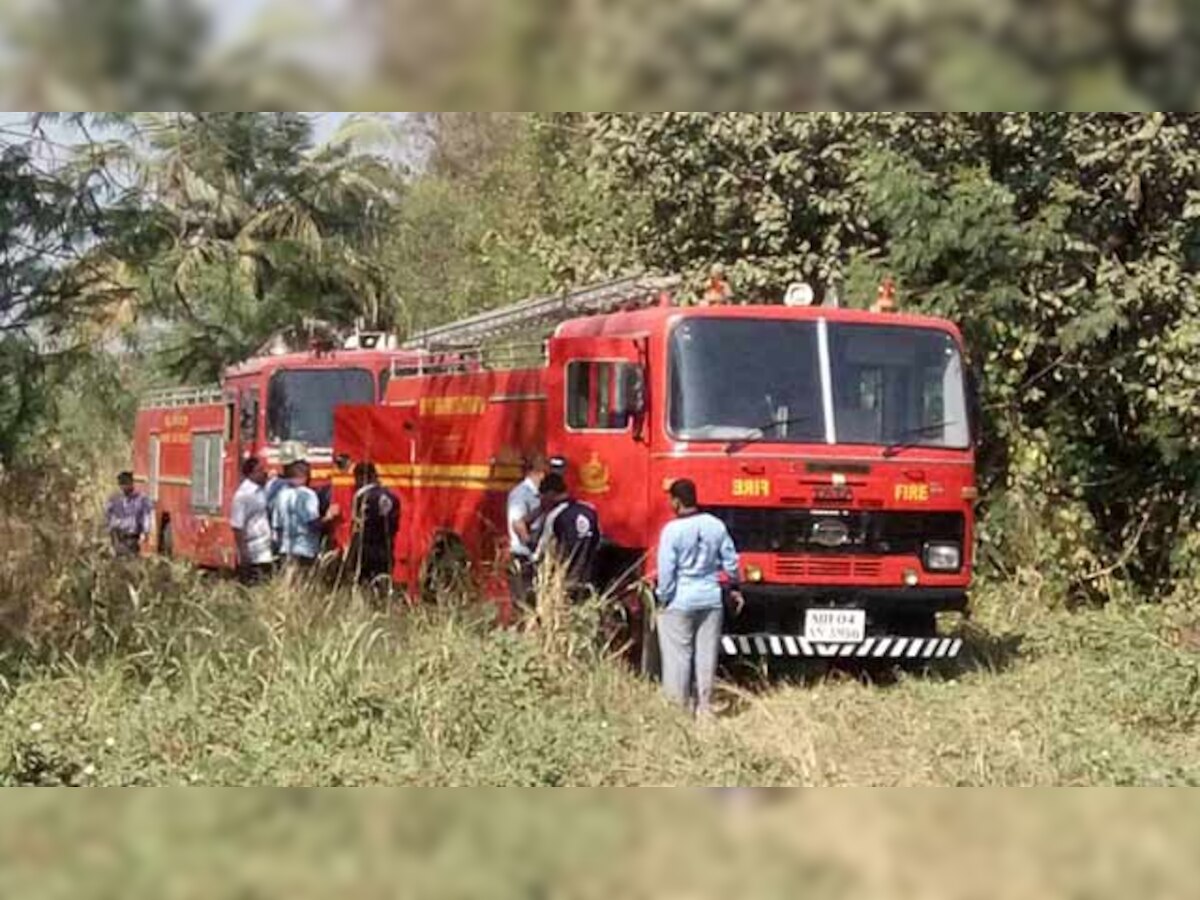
<point x="189" y="442"/>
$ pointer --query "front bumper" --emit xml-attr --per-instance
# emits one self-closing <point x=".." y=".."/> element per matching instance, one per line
<point x="874" y="600"/>
<point x="760" y="645"/>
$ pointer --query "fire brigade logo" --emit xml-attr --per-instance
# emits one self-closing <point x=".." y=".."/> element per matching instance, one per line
<point x="593" y="475"/>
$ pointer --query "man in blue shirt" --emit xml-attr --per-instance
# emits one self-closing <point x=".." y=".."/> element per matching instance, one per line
<point x="127" y="516"/>
<point x="296" y="517"/>
<point x="693" y="551"/>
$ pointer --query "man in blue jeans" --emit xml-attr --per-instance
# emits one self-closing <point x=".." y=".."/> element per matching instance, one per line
<point x="693" y="551"/>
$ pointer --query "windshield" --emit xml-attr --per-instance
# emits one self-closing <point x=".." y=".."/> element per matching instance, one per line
<point x="760" y="379"/>
<point x="894" y="385"/>
<point x="300" y="402"/>
<point x="739" y="379"/>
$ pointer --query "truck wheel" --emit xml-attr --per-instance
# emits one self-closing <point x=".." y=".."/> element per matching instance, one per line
<point x="447" y="572"/>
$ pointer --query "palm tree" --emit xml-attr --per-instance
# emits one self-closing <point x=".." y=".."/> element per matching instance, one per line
<point x="233" y="225"/>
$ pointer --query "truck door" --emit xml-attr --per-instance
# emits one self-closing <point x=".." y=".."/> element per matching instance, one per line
<point x="597" y="421"/>
<point x="385" y="436"/>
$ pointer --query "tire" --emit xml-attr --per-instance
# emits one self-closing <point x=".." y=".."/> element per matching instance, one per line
<point x="447" y="572"/>
<point x="166" y="540"/>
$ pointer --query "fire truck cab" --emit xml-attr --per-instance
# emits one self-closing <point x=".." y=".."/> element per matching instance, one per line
<point x="836" y="445"/>
<point x="189" y="442"/>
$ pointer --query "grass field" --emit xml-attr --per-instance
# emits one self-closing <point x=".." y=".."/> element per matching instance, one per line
<point x="168" y="678"/>
<point x="152" y="674"/>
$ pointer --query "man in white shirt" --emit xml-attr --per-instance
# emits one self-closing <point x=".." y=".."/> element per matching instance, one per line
<point x="251" y="523"/>
<point x="524" y="511"/>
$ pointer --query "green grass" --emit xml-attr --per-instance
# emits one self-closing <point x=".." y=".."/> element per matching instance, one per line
<point x="1101" y="697"/>
<point x="188" y="681"/>
<point x="150" y="674"/>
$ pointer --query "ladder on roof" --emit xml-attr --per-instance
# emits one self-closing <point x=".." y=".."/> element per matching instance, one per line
<point x="166" y="398"/>
<point x="542" y="312"/>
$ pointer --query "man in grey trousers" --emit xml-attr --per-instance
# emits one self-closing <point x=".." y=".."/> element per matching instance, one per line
<point x="693" y="551"/>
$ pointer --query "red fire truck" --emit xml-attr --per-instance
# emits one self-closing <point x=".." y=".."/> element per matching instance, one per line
<point x="835" y="443"/>
<point x="189" y="442"/>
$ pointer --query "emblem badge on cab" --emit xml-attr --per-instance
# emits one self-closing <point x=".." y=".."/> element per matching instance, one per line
<point x="829" y="532"/>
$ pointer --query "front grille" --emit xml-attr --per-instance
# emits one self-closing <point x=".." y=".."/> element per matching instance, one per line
<point x="795" y="566"/>
<point x="868" y="532"/>
<point x="867" y="568"/>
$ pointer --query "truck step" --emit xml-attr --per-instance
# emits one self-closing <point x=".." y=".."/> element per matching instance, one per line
<point x="871" y="648"/>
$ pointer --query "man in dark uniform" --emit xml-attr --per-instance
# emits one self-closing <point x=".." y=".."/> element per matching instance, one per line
<point x="570" y="534"/>
<point x="376" y="519"/>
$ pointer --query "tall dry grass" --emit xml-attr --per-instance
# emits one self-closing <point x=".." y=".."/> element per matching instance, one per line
<point x="150" y="673"/>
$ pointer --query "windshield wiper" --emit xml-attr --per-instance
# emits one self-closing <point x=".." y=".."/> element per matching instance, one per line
<point x="908" y="435"/>
<point x="734" y="446"/>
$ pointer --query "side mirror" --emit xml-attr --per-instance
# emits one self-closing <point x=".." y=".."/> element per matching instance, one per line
<point x="248" y="420"/>
<point x="974" y="406"/>
<point x="632" y="397"/>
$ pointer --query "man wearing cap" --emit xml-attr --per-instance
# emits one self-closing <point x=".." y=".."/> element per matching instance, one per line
<point x="524" y="511"/>
<point x="127" y="516"/>
<point x="693" y="552"/>
<point x="570" y="535"/>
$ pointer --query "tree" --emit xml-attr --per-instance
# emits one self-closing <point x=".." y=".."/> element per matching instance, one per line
<point x="820" y="54"/>
<point x="124" y="54"/>
<point x="46" y="217"/>
<point x="465" y="233"/>
<point x="232" y="226"/>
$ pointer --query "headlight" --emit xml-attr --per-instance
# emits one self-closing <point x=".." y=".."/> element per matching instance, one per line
<point x="943" y="557"/>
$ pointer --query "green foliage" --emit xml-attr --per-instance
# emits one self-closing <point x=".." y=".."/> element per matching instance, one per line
<point x="820" y="54"/>
<point x="122" y="54"/>
<point x="23" y="397"/>
<point x="462" y="242"/>
<point x="235" y="227"/>
<point x="46" y="216"/>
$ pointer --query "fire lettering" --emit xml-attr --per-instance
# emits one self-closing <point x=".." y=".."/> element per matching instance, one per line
<point x="751" y="487"/>
<point x="913" y="493"/>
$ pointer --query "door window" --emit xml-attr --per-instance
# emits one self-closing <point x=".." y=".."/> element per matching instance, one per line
<point x="593" y="391"/>
<point x="206" y="471"/>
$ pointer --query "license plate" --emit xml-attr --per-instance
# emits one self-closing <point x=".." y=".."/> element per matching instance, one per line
<point x="834" y="626"/>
